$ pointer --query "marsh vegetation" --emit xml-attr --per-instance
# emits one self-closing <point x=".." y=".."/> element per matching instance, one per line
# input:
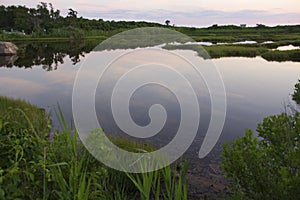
<point x="35" y="167"/>
<point x="38" y="161"/>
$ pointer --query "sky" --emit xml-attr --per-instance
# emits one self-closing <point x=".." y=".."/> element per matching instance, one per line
<point x="197" y="13"/>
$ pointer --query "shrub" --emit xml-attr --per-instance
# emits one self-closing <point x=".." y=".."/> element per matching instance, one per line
<point x="267" y="167"/>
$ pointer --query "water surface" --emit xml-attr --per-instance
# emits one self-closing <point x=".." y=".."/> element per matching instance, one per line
<point x="255" y="89"/>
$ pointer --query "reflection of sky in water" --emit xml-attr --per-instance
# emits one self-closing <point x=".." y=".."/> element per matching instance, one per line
<point x="255" y="89"/>
<point x="288" y="47"/>
<point x="151" y="94"/>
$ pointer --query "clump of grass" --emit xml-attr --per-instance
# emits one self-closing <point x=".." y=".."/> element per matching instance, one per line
<point x="246" y="50"/>
<point x="274" y="45"/>
<point x="281" y="56"/>
<point x="215" y="38"/>
<point x="72" y="172"/>
<point x="17" y="111"/>
<point x="130" y="145"/>
<point x="218" y="51"/>
<point x="167" y="183"/>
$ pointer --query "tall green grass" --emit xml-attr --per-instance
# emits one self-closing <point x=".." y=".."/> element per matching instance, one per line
<point x="22" y="114"/>
<point x="23" y="136"/>
<point x="33" y="167"/>
<point x="167" y="183"/>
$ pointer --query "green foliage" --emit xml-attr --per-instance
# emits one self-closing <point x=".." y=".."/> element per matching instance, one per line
<point x="267" y="167"/>
<point x="22" y="141"/>
<point x="142" y="37"/>
<point x="21" y="114"/>
<point x="167" y="183"/>
<point x="70" y="32"/>
<point x="274" y="45"/>
<point x="239" y="50"/>
<point x="291" y="55"/>
<point x="131" y="145"/>
<point x="34" y="167"/>
<point x="296" y="94"/>
<point x="12" y="36"/>
<point x="72" y="172"/>
<point x="231" y="33"/>
<point x="218" y="51"/>
<point x="45" y="21"/>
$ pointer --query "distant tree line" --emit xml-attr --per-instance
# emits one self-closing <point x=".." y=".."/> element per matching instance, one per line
<point x="45" y="18"/>
<point x="46" y="21"/>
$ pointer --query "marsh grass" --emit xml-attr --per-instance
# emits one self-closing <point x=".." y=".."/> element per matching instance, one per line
<point x="281" y="56"/>
<point x="231" y="33"/>
<point x="23" y="131"/>
<point x="218" y="51"/>
<point x="130" y="145"/>
<point x="166" y="183"/>
<point x="274" y="45"/>
<point x="20" y="113"/>
<point x="243" y="50"/>
<point x="32" y="167"/>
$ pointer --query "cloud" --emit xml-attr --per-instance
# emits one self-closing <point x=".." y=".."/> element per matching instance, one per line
<point x="187" y="13"/>
<point x="198" y="17"/>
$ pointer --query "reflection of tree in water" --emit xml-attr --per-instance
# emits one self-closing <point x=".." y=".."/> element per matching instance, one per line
<point x="50" y="54"/>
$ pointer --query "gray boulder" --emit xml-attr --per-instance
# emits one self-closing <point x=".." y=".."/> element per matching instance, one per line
<point x="8" y="61"/>
<point x="8" y="48"/>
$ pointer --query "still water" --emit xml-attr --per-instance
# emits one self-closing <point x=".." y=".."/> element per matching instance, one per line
<point x="255" y="88"/>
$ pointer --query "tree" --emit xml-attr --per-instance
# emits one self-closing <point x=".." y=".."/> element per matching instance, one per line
<point x="22" y="20"/>
<point x="5" y="19"/>
<point x="72" y="13"/>
<point x="260" y="26"/>
<point x="72" y="17"/>
<point x="167" y="22"/>
<point x="43" y="17"/>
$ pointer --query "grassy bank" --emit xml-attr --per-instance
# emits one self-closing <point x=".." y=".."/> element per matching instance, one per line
<point x="279" y="35"/>
<point x="219" y="51"/>
<point x="281" y="56"/>
<point x="229" y="33"/>
<point x="204" y="37"/>
<point x="238" y="37"/>
<point x="248" y="50"/>
<point x="32" y="167"/>
<point x="20" y="113"/>
<point x="48" y="38"/>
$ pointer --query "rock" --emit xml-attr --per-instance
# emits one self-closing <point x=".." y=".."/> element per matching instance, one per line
<point x="8" y="48"/>
<point x="8" y="61"/>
